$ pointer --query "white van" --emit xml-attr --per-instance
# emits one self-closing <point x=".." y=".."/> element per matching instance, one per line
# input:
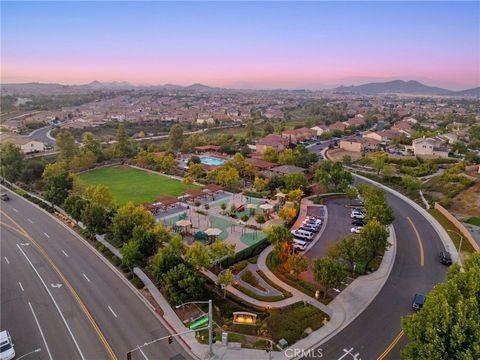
<point x="7" y="352"/>
<point x="303" y="234"/>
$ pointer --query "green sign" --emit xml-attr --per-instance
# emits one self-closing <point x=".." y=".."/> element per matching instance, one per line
<point x="199" y="322"/>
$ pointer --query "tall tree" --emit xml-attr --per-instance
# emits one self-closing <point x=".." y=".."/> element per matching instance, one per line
<point x="182" y="284"/>
<point x="101" y="195"/>
<point x="351" y="193"/>
<point x="131" y="255"/>
<point x="175" y="137"/>
<point x="127" y="218"/>
<point x="58" y="182"/>
<point x="352" y="250"/>
<point x="95" y="218"/>
<point x="270" y="155"/>
<point x="11" y="161"/>
<point x="124" y="143"/>
<point x="328" y="272"/>
<point x="65" y="145"/>
<point x="225" y="278"/>
<point x="374" y="236"/>
<point x="448" y="325"/>
<point x="296" y="264"/>
<point x="198" y="256"/>
<point x="91" y="143"/>
<point x="295" y="181"/>
<point x="332" y="174"/>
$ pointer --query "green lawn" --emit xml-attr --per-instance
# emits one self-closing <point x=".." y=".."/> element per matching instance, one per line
<point x="127" y="184"/>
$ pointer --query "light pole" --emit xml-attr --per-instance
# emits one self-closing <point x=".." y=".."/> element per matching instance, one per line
<point x="461" y="240"/>
<point x="210" y="323"/>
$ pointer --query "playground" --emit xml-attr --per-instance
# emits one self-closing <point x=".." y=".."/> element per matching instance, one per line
<point x="225" y="220"/>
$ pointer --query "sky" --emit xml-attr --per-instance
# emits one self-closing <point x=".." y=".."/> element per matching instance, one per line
<point x="310" y="45"/>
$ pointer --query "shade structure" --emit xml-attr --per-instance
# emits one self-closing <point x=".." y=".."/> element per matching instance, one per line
<point x="266" y="206"/>
<point x="213" y="231"/>
<point x="183" y="223"/>
<point x="252" y="206"/>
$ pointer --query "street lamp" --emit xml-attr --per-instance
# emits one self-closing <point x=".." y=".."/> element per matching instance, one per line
<point x="461" y="240"/>
<point x="210" y="322"/>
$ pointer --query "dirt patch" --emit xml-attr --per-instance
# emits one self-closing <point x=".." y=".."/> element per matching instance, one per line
<point x="337" y="154"/>
<point x="466" y="203"/>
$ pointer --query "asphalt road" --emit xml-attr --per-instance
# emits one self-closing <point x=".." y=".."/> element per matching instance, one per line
<point x="93" y="300"/>
<point x="41" y="135"/>
<point x="376" y="333"/>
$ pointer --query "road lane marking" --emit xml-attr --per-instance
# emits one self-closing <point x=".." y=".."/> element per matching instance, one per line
<point x="85" y="276"/>
<point x="113" y="312"/>
<point x="58" y="286"/>
<point x="391" y="346"/>
<point x="41" y="332"/>
<point x="420" y="244"/>
<point x="79" y="301"/>
<point x="54" y="302"/>
<point x="30" y="221"/>
<point x="8" y="262"/>
<point x="64" y="253"/>
<point x="21" y="287"/>
<point x="25" y="244"/>
<point x="15" y="210"/>
<point x="48" y="236"/>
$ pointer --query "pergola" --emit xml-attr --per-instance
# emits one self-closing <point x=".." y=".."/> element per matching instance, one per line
<point x="194" y="194"/>
<point x="212" y="189"/>
<point x="150" y="207"/>
<point x="166" y="201"/>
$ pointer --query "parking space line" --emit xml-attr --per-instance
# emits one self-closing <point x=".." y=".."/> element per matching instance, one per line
<point x="15" y="210"/>
<point x="21" y="287"/>
<point x="41" y="332"/>
<point x="30" y="221"/>
<point x="8" y="262"/>
<point x="64" y="253"/>
<point x="85" y="276"/>
<point x="48" y="236"/>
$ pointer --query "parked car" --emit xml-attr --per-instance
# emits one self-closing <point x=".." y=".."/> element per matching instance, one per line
<point x="446" y="258"/>
<point x="418" y="301"/>
<point x="303" y="234"/>
<point x="312" y="229"/>
<point x="299" y="245"/>
<point x="4" y="196"/>
<point x="358" y="222"/>
<point x="313" y="221"/>
<point x="356" y="229"/>
<point x="357" y="215"/>
<point x="7" y="350"/>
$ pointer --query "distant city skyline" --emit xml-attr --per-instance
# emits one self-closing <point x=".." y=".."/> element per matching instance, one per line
<point x="311" y="45"/>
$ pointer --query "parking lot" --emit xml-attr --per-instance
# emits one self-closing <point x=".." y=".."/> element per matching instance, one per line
<point x="337" y="227"/>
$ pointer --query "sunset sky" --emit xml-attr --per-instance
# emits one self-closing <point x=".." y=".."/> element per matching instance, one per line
<point x="242" y="44"/>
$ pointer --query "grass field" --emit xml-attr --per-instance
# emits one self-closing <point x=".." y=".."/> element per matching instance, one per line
<point x="127" y="184"/>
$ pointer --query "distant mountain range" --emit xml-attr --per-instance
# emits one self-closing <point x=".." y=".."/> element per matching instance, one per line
<point x="390" y="87"/>
<point x="404" y="87"/>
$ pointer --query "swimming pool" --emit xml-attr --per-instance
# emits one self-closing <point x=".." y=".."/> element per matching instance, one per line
<point x="209" y="160"/>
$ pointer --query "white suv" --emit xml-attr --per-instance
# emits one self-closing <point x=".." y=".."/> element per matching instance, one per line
<point x="7" y="352"/>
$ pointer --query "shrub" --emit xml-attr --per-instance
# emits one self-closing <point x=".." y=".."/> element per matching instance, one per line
<point x="249" y="278"/>
<point x="137" y="283"/>
<point x="197" y="203"/>
<point x="206" y="206"/>
<point x="256" y="296"/>
<point x="260" y="218"/>
<point x="245" y="218"/>
<point x="116" y="261"/>
<point x="129" y="275"/>
<point x="239" y="266"/>
<point x="223" y="206"/>
<point x="101" y="247"/>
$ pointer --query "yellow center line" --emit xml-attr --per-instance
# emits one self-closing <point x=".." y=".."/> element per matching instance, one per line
<point x="420" y="244"/>
<point x="391" y="346"/>
<point x="67" y="283"/>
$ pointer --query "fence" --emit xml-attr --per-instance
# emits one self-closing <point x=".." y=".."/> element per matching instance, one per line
<point x="463" y="230"/>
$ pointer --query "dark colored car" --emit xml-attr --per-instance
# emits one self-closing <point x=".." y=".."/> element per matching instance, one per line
<point x="358" y="222"/>
<point x="4" y="197"/>
<point x="446" y="258"/>
<point x="418" y="301"/>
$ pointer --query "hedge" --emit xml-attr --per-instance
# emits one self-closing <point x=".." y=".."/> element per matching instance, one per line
<point x="269" y="281"/>
<point x="256" y="296"/>
<point x="246" y="253"/>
